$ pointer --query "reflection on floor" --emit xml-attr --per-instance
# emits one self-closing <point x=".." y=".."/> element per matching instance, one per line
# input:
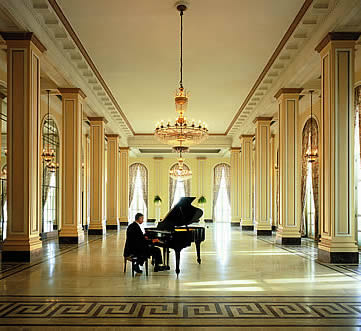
<point x="242" y="281"/>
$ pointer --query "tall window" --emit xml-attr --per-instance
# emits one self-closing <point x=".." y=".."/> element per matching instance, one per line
<point x="178" y="188"/>
<point x="138" y="190"/>
<point x="221" y="193"/>
<point x="50" y="180"/>
<point x="358" y="163"/>
<point x="309" y="183"/>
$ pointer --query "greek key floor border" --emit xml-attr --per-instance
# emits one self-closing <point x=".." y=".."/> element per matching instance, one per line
<point x="181" y="311"/>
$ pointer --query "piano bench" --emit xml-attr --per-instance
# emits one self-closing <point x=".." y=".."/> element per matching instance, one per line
<point x="133" y="259"/>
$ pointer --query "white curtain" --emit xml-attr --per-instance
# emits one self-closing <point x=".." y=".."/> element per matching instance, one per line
<point x="221" y="193"/>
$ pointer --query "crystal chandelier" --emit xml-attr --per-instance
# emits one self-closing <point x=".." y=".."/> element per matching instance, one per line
<point x="48" y="153"/>
<point x="179" y="172"/>
<point x="311" y="154"/>
<point x="181" y="134"/>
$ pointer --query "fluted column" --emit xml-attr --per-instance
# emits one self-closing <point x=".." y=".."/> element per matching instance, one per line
<point x="273" y="181"/>
<point x="112" y="182"/>
<point x="24" y="52"/>
<point x="288" y="229"/>
<point x="123" y="185"/>
<point x="262" y="167"/>
<point x="71" y="147"/>
<point x="158" y="188"/>
<point x="97" y="176"/>
<point x="247" y="182"/>
<point x="2" y="141"/>
<point x="337" y="210"/>
<point x="235" y="186"/>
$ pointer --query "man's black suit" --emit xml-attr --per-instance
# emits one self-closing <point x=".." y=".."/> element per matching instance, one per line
<point x="138" y="246"/>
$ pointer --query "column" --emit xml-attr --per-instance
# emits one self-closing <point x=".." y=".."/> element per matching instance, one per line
<point x="2" y="141"/>
<point x="247" y="182"/>
<point x="288" y="229"/>
<point x="262" y="167"/>
<point x="201" y="167"/>
<point x="123" y="185"/>
<point x="71" y="147"/>
<point x="337" y="210"/>
<point x="235" y="186"/>
<point x="112" y="181"/>
<point x="97" y="176"/>
<point x="24" y="51"/>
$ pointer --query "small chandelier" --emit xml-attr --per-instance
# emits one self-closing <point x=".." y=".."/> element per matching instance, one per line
<point x="48" y="154"/>
<point x="178" y="172"/>
<point x="52" y="166"/>
<point x="181" y="134"/>
<point x="311" y="154"/>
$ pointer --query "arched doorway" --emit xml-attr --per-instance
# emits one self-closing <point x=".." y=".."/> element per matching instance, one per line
<point x="310" y="183"/>
<point x="178" y="188"/>
<point x="50" y="178"/>
<point x="138" y="191"/>
<point x="222" y="193"/>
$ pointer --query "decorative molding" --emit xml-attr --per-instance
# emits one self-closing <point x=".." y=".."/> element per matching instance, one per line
<point x="259" y="119"/>
<point x="97" y="119"/>
<point x="74" y="90"/>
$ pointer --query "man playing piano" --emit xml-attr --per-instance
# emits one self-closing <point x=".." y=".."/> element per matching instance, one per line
<point x="138" y="245"/>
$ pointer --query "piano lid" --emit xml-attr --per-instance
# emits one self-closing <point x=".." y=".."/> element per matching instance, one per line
<point x="183" y="213"/>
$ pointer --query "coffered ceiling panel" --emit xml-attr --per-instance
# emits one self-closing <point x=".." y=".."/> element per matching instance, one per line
<point x="135" y="46"/>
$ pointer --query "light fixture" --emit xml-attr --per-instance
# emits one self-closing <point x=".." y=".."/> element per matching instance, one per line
<point x="311" y="154"/>
<point x="178" y="172"/>
<point x="181" y="134"/>
<point x="48" y="154"/>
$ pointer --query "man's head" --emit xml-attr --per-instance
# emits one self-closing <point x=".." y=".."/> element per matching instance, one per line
<point x="139" y="218"/>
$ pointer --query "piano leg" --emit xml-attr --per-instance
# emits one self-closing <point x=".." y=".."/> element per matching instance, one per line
<point x="167" y="259"/>
<point x="177" y="259"/>
<point x="198" y="248"/>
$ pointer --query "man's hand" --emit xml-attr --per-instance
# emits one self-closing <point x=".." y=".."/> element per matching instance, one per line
<point x="155" y="241"/>
<point x="146" y="237"/>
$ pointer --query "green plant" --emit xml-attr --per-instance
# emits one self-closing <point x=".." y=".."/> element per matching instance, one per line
<point x="202" y="200"/>
<point x="157" y="199"/>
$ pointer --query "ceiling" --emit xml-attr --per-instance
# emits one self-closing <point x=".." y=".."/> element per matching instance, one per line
<point x="135" y="46"/>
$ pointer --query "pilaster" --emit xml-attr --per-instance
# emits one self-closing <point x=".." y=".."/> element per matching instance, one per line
<point x="97" y="176"/>
<point x="246" y="182"/>
<point x="235" y="186"/>
<point x="288" y="230"/>
<point x="24" y="52"/>
<point x="71" y="147"/>
<point x="123" y="185"/>
<point x="337" y="210"/>
<point x="262" y="168"/>
<point x="112" y="182"/>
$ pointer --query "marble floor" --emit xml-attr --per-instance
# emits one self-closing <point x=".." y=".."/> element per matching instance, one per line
<point x="243" y="281"/>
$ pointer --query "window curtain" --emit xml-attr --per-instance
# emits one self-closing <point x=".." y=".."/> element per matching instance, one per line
<point x="315" y="170"/>
<point x="46" y="182"/>
<point x="144" y="176"/>
<point x="173" y="185"/>
<point x="132" y="174"/>
<point x="222" y="167"/>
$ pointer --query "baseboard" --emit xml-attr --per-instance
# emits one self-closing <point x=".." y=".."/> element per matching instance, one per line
<point x="123" y="223"/>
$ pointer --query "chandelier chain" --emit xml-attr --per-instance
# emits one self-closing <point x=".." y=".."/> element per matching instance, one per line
<point x="181" y="50"/>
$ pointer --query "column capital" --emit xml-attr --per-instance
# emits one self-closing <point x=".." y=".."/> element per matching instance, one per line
<point x="23" y="36"/>
<point x="262" y="119"/>
<point x="97" y="119"/>
<point x="72" y="90"/>
<point x="337" y="36"/>
<point x="158" y="158"/>
<point x="112" y="135"/>
<point x="123" y="149"/>
<point x="288" y="91"/>
<point x="201" y="158"/>
<point x="235" y="149"/>
<point x="246" y="136"/>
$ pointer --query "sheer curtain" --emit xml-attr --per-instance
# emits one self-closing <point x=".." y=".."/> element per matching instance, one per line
<point x="138" y="190"/>
<point x="314" y="169"/>
<point x="222" y="194"/>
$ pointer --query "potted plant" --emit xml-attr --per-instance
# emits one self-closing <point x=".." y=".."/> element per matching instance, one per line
<point x="157" y="200"/>
<point x="202" y="200"/>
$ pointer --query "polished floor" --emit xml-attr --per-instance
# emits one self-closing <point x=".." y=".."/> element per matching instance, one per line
<point x="243" y="281"/>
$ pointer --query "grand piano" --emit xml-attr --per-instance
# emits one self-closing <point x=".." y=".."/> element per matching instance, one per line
<point x="174" y="231"/>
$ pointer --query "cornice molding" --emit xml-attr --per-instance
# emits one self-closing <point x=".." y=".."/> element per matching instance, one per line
<point x="337" y="36"/>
